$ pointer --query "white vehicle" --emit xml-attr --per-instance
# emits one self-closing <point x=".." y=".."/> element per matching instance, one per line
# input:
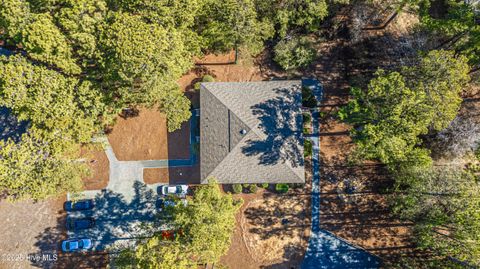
<point x="173" y="189"/>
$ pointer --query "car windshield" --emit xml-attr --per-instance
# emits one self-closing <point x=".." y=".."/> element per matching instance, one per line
<point x="67" y="245"/>
<point x="80" y="244"/>
<point x="179" y="189"/>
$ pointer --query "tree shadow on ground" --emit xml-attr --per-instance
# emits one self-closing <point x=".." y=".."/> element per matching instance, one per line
<point x="280" y="216"/>
<point x="10" y="127"/>
<point x="282" y="128"/>
<point x="116" y="221"/>
<point x="292" y="258"/>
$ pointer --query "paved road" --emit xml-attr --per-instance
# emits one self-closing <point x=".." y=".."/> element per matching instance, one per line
<point x="325" y="250"/>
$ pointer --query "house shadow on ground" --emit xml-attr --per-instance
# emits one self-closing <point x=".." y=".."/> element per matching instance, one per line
<point x="118" y="223"/>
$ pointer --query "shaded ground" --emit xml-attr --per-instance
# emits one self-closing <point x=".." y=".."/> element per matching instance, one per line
<point x="99" y="166"/>
<point x="10" y="127"/>
<point x="275" y="228"/>
<point x="120" y="222"/>
<point x="272" y="229"/>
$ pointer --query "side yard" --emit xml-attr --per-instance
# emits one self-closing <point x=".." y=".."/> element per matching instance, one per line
<point x="272" y="229"/>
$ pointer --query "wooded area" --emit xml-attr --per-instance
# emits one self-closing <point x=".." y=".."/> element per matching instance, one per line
<point x="76" y="64"/>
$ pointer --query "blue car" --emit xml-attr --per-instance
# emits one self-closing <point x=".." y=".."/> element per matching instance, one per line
<point x="80" y="224"/>
<point x="79" y="205"/>
<point x="73" y="245"/>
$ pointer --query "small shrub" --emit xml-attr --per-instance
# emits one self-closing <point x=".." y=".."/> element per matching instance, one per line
<point x="281" y="187"/>
<point x="308" y="99"/>
<point x="307" y="148"/>
<point x="245" y="185"/>
<point x="264" y="185"/>
<point x="237" y="188"/>
<point x="253" y="188"/>
<point x="294" y="53"/>
<point x="208" y="78"/>
<point x="196" y="86"/>
<point x="307" y="118"/>
<point x="323" y="114"/>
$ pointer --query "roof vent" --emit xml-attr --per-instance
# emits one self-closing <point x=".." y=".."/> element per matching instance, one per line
<point x="243" y="131"/>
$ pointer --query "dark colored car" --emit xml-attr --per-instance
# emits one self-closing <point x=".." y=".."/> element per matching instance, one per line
<point x="80" y="224"/>
<point x="164" y="203"/>
<point x="76" y="245"/>
<point x="79" y="205"/>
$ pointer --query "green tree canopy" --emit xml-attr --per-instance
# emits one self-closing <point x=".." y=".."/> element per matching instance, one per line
<point x="459" y="28"/>
<point x="222" y="24"/>
<point x="46" y="99"/>
<point x="78" y="63"/>
<point x="204" y="228"/>
<point x="140" y="56"/>
<point x="31" y="169"/>
<point x="396" y="108"/>
<point x="306" y="15"/>
<point x="443" y="203"/>
<point x="43" y="41"/>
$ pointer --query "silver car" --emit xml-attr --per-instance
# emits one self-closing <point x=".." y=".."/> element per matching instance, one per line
<point x="179" y="190"/>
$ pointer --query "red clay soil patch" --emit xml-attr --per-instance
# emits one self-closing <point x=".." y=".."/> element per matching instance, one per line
<point x="145" y="137"/>
<point x="222" y="68"/>
<point x="172" y="175"/>
<point x="155" y="175"/>
<point x="99" y="166"/>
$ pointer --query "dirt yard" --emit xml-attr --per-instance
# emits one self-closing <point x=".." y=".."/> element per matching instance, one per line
<point x="362" y="217"/>
<point x="223" y="69"/>
<point x="172" y="175"/>
<point x="99" y="166"/>
<point x="145" y="137"/>
<point x="272" y="230"/>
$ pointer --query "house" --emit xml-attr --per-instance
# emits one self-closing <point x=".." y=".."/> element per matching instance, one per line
<point x="251" y="132"/>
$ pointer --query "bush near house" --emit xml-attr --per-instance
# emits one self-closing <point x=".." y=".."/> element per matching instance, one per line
<point x="264" y="185"/>
<point x="206" y="78"/>
<point x="253" y="188"/>
<point x="308" y="99"/>
<point x="281" y="188"/>
<point x="307" y="149"/>
<point x="307" y="118"/>
<point x="237" y="188"/>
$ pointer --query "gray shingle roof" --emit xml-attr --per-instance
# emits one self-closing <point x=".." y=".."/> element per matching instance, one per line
<point x="251" y="132"/>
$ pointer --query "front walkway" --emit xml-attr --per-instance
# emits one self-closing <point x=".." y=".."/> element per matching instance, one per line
<point x="325" y="250"/>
